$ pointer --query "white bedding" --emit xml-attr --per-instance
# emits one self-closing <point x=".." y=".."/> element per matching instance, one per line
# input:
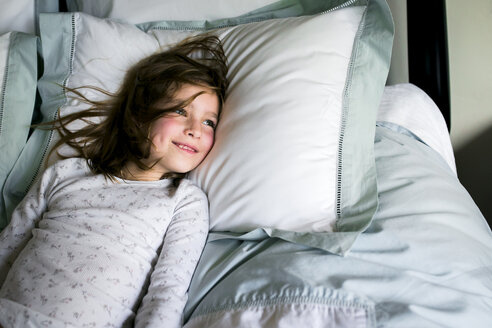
<point x="410" y="107"/>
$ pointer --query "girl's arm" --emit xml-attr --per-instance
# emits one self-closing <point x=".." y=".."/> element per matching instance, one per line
<point x="17" y="233"/>
<point x="165" y="300"/>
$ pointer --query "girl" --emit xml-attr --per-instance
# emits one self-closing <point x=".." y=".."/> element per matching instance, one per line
<point x="81" y="247"/>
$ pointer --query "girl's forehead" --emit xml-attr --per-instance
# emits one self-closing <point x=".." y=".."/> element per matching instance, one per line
<point x="202" y="98"/>
<point x="188" y="94"/>
<point x="187" y="91"/>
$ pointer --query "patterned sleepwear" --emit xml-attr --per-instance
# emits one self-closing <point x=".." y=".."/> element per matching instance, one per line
<point x="80" y="251"/>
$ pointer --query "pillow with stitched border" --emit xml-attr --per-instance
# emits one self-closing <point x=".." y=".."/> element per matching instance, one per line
<point x="294" y="147"/>
<point x="136" y="12"/>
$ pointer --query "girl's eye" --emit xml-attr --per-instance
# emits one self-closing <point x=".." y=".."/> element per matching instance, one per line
<point x="209" y="123"/>
<point x="180" y="111"/>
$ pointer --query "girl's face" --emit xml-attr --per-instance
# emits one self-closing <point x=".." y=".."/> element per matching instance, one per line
<point x="182" y="139"/>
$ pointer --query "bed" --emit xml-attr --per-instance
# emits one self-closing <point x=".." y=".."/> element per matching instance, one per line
<point x="334" y="199"/>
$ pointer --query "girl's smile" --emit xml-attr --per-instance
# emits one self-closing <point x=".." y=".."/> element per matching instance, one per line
<point x="186" y="147"/>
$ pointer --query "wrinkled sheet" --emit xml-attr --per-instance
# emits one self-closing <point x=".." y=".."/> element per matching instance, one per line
<point x="425" y="261"/>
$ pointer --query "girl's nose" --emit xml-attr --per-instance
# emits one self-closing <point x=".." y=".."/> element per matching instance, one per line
<point x="193" y="129"/>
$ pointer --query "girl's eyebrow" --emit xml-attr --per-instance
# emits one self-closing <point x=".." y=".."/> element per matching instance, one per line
<point x="213" y="114"/>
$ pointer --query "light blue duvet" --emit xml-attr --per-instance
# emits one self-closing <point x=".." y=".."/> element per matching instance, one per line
<point x="425" y="260"/>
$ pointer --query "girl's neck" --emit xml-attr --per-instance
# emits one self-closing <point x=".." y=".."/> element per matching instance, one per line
<point x="131" y="171"/>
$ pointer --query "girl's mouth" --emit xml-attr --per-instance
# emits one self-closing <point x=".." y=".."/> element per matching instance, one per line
<point x="186" y="147"/>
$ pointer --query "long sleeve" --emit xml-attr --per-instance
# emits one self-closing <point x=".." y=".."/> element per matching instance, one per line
<point x="185" y="238"/>
<point x="17" y="233"/>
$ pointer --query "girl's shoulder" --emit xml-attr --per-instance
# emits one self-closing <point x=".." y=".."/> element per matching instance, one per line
<point x="62" y="171"/>
<point x="190" y="196"/>
<point x="188" y="187"/>
<point x="73" y="164"/>
<point x="68" y="168"/>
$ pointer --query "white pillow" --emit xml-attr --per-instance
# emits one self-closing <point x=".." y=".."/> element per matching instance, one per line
<point x="409" y="106"/>
<point x="294" y="147"/>
<point x="274" y="161"/>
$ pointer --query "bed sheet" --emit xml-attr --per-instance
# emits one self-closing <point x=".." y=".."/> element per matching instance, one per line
<point x="425" y="260"/>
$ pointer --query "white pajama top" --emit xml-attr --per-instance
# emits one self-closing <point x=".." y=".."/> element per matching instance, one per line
<point x="82" y="251"/>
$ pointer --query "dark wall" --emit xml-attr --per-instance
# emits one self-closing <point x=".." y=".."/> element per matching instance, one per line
<point x="474" y="166"/>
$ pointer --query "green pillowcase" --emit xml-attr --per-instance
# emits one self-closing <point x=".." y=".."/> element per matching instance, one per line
<point x="18" y="77"/>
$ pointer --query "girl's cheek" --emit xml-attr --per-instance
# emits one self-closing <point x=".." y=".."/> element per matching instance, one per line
<point x="165" y="125"/>
<point x="210" y="138"/>
<point x="161" y="130"/>
<point x="169" y="122"/>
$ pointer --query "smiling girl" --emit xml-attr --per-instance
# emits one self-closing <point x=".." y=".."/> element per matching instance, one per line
<point x="112" y="236"/>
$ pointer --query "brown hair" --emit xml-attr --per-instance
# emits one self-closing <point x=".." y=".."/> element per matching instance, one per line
<point x="123" y="134"/>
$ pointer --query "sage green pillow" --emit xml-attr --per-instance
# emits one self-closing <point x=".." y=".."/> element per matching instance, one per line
<point x="18" y="78"/>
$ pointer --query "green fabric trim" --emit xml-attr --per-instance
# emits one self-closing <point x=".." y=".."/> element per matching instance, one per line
<point x="279" y="9"/>
<point x="368" y="70"/>
<point x="334" y="242"/>
<point x="56" y="32"/>
<point x="17" y="104"/>
<point x="44" y="6"/>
